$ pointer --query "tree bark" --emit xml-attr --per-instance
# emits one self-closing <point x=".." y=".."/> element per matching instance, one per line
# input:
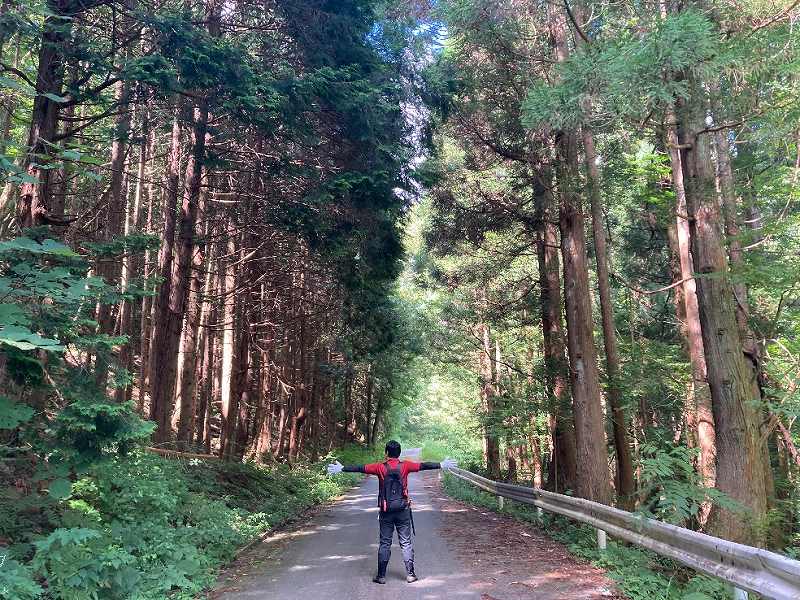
<point x="562" y="471"/>
<point x="741" y="453"/>
<point x="34" y="197"/>
<point x="626" y="484"/>
<point x="488" y="391"/>
<point x="110" y="268"/>
<point x="592" y="453"/>
<point x="701" y="395"/>
<point x="186" y="401"/>
<point x="161" y="383"/>
<point x="230" y="403"/>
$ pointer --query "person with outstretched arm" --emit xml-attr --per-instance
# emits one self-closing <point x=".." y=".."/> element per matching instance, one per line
<point x="394" y="505"/>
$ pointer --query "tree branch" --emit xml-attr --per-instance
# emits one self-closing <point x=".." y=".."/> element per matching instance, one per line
<point x="651" y="292"/>
<point x="575" y="23"/>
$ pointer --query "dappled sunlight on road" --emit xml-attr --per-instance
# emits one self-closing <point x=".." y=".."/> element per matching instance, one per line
<point x="334" y="556"/>
<point x="462" y="553"/>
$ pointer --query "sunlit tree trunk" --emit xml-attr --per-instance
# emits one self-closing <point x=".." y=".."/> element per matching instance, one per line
<point x="701" y="396"/>
<point x="230" y="403"/>
<point x="592" y="454"/>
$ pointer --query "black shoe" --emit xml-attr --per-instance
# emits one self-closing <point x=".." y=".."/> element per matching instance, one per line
<point x="379" y="579"/>
<point x="411" y="576"/>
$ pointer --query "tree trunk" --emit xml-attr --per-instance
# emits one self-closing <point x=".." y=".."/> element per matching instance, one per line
<point x="592" y="453"/>
<point x="110" y="268"/>
<point x="230" y="403"/>
<point x="34" y="197"/>
<point x="562" y="471"/>
<point x="741" y="455"/>
<point x="626" y="485"/>
<point x="129" y="265"/>
<point x="160" y="382"/>
<point x="145" y="318"/>
<point x="243" y="384"/>
<point x="488" y="392"/>
<point x="701" y="395"/>
<point x="297" y="422"/>
<point x="186" y="401"/>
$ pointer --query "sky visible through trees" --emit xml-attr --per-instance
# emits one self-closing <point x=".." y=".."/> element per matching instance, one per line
<point x="559" y="241"/>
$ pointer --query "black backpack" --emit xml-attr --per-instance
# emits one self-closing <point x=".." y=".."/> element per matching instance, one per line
<point x="392" y="497"/>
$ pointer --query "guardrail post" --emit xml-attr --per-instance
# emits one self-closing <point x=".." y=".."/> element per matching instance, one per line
<point x="739" y="594"/>
<point x="601" y="540"/>
<point x="501" y="502"/>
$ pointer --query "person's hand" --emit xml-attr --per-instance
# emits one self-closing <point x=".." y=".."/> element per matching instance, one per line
<point x="448" y="463"/>
<point x="335" y="468"/>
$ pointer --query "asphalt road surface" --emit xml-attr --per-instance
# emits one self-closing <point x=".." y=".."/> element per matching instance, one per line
<point x="461" y="553"/>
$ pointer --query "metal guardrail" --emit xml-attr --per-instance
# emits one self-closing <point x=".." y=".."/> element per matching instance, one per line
<point x="766" y="573"/>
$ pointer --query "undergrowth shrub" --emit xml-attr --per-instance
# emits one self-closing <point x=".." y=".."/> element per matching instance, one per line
<point x="143" y="527"/>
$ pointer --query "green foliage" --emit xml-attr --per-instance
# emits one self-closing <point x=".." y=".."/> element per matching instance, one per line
<point x="13" y="414"/>
<point x="672" y="488"/>
<point x="627" y="74"/>
<point x="146" y="527"/>
<point x="16" y="580"/>
<point x="47" y="302"/>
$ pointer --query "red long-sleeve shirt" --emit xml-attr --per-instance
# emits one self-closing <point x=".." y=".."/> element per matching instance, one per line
<point x="379" y="469"/>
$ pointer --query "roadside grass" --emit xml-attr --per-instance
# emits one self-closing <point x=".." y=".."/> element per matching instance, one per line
<point x="639" y="574"/>
<point x="145" y="527"/>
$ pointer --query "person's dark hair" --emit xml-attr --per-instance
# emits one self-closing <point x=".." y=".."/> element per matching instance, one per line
<point x="393" y="449"/>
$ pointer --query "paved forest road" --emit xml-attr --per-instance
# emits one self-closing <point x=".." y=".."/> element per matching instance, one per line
<point x="462" y="553"/>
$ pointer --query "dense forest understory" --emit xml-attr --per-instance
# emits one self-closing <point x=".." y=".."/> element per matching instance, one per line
<point x="558" y="241"/>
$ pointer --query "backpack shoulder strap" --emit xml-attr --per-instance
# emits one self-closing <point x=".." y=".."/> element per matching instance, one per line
<point x="398" y="468"/>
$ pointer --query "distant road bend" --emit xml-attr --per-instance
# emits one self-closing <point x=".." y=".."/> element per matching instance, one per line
<point x="461" y="553"/>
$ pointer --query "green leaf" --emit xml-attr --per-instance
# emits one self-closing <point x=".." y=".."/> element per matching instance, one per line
<point x="13" y="314"/>
<point x="60" y="489"/>
<point x="13" y="413"/>
<point x="14" y="84"/>
<point x="47" y="246"/>
<point x="25" y="339"/>
<point x="54" y="97"/>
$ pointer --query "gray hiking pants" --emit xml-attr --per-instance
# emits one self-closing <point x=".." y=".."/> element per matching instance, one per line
<point x="400" y="520"/>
